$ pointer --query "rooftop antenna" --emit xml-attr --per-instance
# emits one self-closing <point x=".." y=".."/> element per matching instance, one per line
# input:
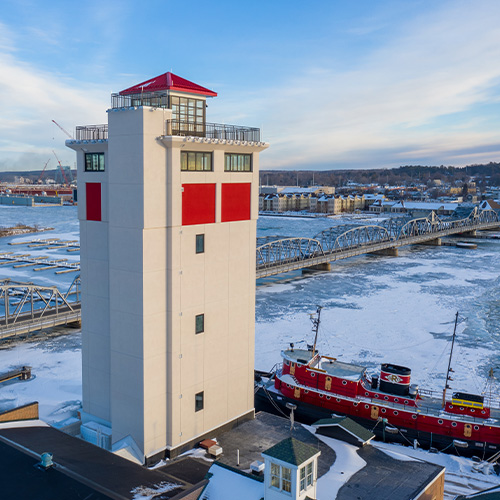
<point x="450" y="369"/>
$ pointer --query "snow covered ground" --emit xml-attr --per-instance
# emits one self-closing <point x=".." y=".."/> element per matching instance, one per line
<point x="57" y="376"/>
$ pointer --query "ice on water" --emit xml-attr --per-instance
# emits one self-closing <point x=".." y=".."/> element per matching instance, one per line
<point x="375" y="309"/>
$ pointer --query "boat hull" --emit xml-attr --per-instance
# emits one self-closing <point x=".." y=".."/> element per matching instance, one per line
<point x="273" y="402"/>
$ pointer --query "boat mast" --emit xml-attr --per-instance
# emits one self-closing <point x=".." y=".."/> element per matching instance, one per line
<point x="448" y="378"/>
<point x="315" y="322"/>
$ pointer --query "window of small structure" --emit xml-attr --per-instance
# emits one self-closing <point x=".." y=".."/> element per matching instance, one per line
<point x="200" y="243"/>
<point x="188" y="115"/>
<point x="195" y="161"/>
<point x="199" y="323"/>
<point x="235" y="162"/>
<point x="198" y="401"/>
<point x="286" y="479"/>
<point x="281" y="477"/>
<point x="94" y="162"/>
<point x="275" y="475"/>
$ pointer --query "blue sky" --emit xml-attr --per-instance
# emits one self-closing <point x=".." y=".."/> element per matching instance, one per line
<point x="332" y="84"/>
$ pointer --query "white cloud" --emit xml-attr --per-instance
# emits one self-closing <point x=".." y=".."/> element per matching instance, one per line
<point x="30" y="99"/>
<point x="406" y="99"/>
<point x="445" y="62"/>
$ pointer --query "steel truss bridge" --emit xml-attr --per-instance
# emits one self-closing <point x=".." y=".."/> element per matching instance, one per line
<point x="276" y="255"/>
<point x="25" y="307"/>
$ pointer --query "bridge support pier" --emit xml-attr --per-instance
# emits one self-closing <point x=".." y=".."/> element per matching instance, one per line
<point x="470" y="234"/>
<point x="435" y="243"/>
<point x="326" y="266"/>
<point x="387" y="252"/>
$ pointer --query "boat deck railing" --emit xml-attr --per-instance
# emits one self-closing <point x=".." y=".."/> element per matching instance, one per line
<point x="428" y="406"/>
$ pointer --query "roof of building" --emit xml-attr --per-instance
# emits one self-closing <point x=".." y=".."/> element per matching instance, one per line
<point x="385" y="476"/>
<point x="424" y="205"/>
<point x="89" y="471"/>
<point x="492" y="204"/>
<point x="364" y="435"/>
<point x="251" y="438"/>
<point x="291" y="451"/>
<point x="169" y="81"/>
<point x="23" y="479"/>
<point x="489" y="494"/>
<point x="225" y="482"/>
<point x="379" y="475"/>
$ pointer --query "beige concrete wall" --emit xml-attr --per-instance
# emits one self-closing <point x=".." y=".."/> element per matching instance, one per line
<point x="220" y="283"/>
<point x="94" y="259"/>
<point x="143" y="284"/>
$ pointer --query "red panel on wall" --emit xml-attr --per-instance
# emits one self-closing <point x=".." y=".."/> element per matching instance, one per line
<point x="236" y="199"/>
<point x="198" y="204"/>
<point x="93" y="196"/>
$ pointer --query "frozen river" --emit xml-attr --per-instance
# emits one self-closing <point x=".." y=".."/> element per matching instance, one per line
<point x="375" y="309"/>
<point x="386" y="309"/>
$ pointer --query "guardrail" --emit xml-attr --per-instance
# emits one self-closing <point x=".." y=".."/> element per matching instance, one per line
<point x="279" y="255"/>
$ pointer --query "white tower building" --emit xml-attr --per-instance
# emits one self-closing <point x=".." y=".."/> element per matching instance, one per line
<point x="168" y="205"/>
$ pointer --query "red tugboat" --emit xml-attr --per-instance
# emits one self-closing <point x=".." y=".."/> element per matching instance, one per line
<point x="389" y="405"/>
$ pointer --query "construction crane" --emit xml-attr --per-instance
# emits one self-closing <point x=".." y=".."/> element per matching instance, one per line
<point x="43" y="171"/>
<point x="65" y="131"/>
<point x="61" y="167"/>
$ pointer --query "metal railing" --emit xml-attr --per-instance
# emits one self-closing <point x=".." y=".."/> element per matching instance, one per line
<point x="213" y="131"/>
<point x="27" y="307"/>
<point x="278" y="255"/>
<point x="153" y="99"/>
<point x="181" y="128"/>
<point x="91" y="133"/>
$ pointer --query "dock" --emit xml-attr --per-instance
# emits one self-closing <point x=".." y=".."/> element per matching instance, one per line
<point x="27" y="260"/>
<point x="23" y="373"/>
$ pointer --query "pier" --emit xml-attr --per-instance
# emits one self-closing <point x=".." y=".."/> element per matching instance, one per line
<point x="43" y="262"/>
<point x="23" y="373"/>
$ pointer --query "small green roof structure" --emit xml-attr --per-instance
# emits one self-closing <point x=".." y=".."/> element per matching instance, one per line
<point x="291" y="451"/>
<point x="357" y="431"/>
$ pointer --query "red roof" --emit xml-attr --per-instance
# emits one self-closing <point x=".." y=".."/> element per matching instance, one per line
<point x="169" y="81"/>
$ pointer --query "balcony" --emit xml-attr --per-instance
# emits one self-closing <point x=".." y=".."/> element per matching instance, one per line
<point x="153" y="99"/>
<point x="213" y="131"/>
<point x="180" y="128"/>
<point x="91" y="133"/>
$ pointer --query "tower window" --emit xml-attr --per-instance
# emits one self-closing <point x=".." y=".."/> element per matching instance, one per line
<point x="234" y="162"/>
<point x="200" y="323"/>
<point x="188" y="116"/>
<point x="200" y="243"/>
<point x="198" y="401"/>
<point x="94" y="162"/>
<point x="196" y="161"/>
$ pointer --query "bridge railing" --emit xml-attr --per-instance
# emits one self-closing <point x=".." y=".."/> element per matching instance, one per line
<point x="26" y="301"/>
<point x="273" y="252"/>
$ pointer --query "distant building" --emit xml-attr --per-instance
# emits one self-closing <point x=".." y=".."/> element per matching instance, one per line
<point x="490" y="205"/>
<point x="422" y="209"/>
